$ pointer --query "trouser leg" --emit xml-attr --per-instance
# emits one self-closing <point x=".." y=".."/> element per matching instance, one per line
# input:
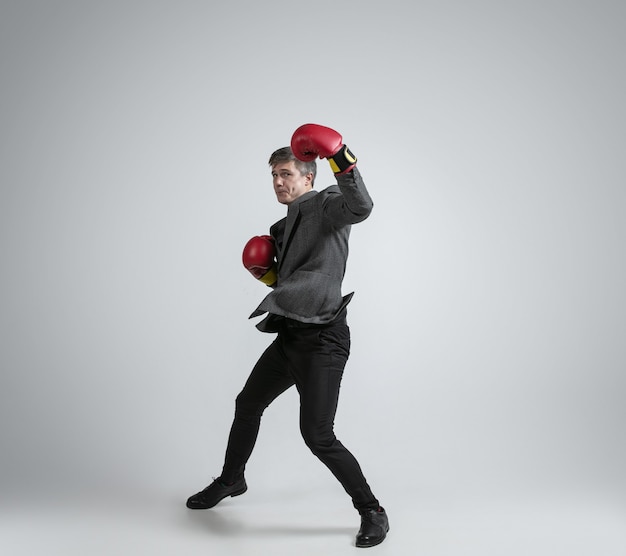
<point x="269" y="378"/>
<point x="317" y="359"/>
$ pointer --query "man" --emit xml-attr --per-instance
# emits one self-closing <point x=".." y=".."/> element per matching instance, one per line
<point x="303" y="260"/>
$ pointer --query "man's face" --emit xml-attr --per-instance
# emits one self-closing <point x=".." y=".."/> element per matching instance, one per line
<point x="289" y="183"/>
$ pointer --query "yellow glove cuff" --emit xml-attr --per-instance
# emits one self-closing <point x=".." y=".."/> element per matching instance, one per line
<point x="342" y="161"/>
<point x="270" y="277"/>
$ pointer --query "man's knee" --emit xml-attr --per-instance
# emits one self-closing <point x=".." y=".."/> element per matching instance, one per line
<point x="248" y="408"/>
<point x="318" y="439"/>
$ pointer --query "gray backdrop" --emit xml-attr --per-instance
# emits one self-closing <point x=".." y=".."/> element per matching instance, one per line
<point x="489" y="317"/>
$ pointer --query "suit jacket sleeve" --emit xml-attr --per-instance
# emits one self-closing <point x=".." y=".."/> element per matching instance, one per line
<point x="353" y="204"/>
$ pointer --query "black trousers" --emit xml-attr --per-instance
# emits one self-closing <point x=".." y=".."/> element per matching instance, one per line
<point x="313" y="358"/>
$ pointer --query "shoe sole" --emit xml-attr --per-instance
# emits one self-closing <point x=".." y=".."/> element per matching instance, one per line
<point x="204" y="507"/>
<point x="238" y="493"/>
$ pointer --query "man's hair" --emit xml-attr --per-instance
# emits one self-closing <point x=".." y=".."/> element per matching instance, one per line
<point x="285" y="154"/>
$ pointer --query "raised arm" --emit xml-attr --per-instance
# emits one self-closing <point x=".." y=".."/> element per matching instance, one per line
<point x="352" y="202"/>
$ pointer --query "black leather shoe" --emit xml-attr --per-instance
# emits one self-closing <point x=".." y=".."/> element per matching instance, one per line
<point x="215" y="492"/>
<point x="374" y="528"/>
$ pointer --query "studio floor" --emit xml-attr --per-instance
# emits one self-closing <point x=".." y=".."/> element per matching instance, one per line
<point x="317" y="523"/>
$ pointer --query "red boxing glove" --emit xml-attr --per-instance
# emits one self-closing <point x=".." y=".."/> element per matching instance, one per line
<point x="311" y="140"/>
<point x="258" y="257"/>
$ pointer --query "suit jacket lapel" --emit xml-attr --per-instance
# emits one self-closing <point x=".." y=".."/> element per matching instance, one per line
<point x="293" y="217"/>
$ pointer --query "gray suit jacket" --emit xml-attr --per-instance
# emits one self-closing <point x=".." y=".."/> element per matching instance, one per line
<point x="312" y="250"/>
